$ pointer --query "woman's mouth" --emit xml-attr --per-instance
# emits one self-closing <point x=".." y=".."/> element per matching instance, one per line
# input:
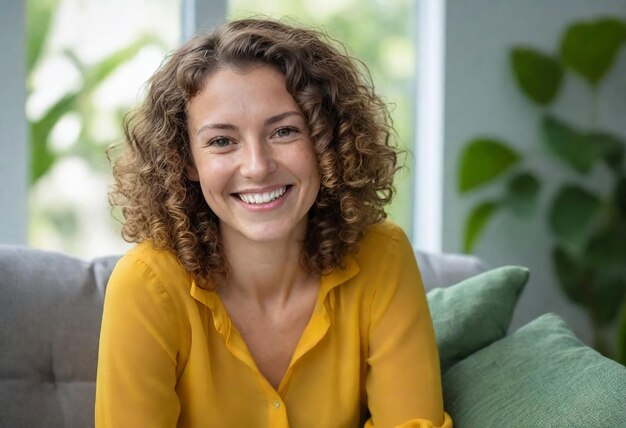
<point x="262" y="198"/>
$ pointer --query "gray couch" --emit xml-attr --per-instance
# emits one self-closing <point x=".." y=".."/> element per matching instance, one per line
<point x="50" y="311"/>
<point x="51" y="307"/>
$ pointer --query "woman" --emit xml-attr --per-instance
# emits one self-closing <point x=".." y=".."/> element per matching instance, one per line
<point x="266" y="289"/>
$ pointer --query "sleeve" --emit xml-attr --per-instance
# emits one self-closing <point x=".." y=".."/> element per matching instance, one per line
<point x="139" y="339"/>
<point x="403" y="382"/>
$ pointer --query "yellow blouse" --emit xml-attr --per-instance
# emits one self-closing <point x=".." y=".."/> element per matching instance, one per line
<point x="170" y="356"/>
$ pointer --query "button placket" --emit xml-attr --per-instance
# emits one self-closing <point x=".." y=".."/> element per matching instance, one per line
<point x="277" y="415"/>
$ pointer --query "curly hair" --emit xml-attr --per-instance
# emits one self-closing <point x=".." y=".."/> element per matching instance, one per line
<point x="349" y="124"/>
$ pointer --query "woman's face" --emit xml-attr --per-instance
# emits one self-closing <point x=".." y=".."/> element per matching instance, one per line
<point x="253" y="155"/>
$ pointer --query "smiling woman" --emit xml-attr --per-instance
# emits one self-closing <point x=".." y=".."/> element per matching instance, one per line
<point x="253" y="157"/>
<point x="254" y="179"/>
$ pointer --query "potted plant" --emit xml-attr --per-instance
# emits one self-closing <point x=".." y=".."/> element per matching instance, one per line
<point x="588" y="226"/>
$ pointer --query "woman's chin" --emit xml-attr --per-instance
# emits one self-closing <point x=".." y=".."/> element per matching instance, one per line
<point x="270" y="232"/>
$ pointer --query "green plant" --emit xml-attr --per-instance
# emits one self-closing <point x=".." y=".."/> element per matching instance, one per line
<point x="589" y="227"/>
<point x="59" y="225"/>
<point x="40" y="18"/>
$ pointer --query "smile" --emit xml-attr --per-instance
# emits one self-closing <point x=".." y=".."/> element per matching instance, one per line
<point x="262" y="198"/>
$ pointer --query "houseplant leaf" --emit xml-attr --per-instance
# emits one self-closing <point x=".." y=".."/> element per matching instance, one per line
<point x="41" y="157"/>
<point x="571" y="213"/>
<point x="521" y="194"/>
<point x="621" y="335"/>
<point x="538" y="75"/>
<point x="572" y="274"/>
<point x="607" y="146"/>
<point x="571" y="147"/>
<point x="482" y="161"/>
<point x="619" y="197"/>
<point x="39" y="19"/>
<point x="590" y="47"/>
<point x="607" y="249"/>
<point x="605" y="296"/>
<point x="476" y="222"/>
<point x="96" y="74"/>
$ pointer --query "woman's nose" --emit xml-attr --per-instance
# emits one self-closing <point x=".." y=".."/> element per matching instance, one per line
<point x="258" y="160"/>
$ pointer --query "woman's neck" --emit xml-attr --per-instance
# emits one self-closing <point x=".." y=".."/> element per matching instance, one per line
<point x="266" y="273"/>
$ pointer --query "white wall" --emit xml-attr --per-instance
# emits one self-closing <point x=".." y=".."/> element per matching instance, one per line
<point x="13" y="131"/>
<point x="481" y="98"/>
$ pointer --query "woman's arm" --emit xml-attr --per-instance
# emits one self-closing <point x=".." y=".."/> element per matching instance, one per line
<point x="137" y="358"/>
<point x="404" y="381"/>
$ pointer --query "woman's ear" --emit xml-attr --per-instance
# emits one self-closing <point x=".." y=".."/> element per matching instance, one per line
<point x="192" y="173"/>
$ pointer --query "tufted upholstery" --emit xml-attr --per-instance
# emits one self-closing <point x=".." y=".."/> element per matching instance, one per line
<point x="50" y="311"/>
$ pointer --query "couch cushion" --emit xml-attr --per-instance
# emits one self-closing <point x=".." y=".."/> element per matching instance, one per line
<point x="475" y="312"/>
<point x="50" y="312"/>
<point x="540" y="376"/>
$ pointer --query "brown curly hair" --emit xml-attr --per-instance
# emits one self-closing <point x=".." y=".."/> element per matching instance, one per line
<point x="349" y="124"/>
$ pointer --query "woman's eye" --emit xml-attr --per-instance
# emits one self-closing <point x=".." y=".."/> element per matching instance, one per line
<point x="285" y="132"/>
<point x="219" y="142"/>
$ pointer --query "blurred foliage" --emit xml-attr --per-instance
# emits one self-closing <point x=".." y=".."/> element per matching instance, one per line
<point x="538" y="74"/>
<point x="589" y="48"/>
<point x="494" y="158"/>
<point x="56" y="219"/>
<point x="378" y="33"/>
<point x="589" y="227"/>
<point x="40" y="20"/>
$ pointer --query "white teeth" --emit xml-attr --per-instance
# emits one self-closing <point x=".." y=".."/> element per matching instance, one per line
<point x="262" y="198"/>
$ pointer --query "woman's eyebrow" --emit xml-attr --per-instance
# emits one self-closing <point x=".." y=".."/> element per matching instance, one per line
<point x="226" y="126"/>
<point x="281" y="116"/>
<point x="268" y="121"/>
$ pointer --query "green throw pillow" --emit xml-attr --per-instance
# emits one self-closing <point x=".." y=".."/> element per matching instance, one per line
<point x="475" y="312"/>
<point x="539" y="376"/>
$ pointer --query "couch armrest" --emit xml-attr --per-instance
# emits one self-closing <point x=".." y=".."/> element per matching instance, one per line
<point x="442" y="270"/>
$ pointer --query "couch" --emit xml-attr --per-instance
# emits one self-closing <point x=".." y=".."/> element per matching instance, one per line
<point x="538" y="376"/>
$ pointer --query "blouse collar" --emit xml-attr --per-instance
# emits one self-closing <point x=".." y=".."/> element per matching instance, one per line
<point x="329" y="281"/>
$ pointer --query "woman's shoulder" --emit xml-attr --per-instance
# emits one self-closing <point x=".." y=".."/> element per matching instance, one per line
<point x="385" y="261"/>
<point x="147" y="299"/>
<point x="145" y="263"/>
<point x="385" y="246"/>
<point x="383" y="237"/>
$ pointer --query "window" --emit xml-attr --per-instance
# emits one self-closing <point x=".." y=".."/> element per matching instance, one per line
<point x="88" y="61"/>
<point x="94" y="58"/>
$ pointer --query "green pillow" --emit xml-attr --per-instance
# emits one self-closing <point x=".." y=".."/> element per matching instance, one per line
<point x="475" y="312"/>
<point x="539" y="376"/>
